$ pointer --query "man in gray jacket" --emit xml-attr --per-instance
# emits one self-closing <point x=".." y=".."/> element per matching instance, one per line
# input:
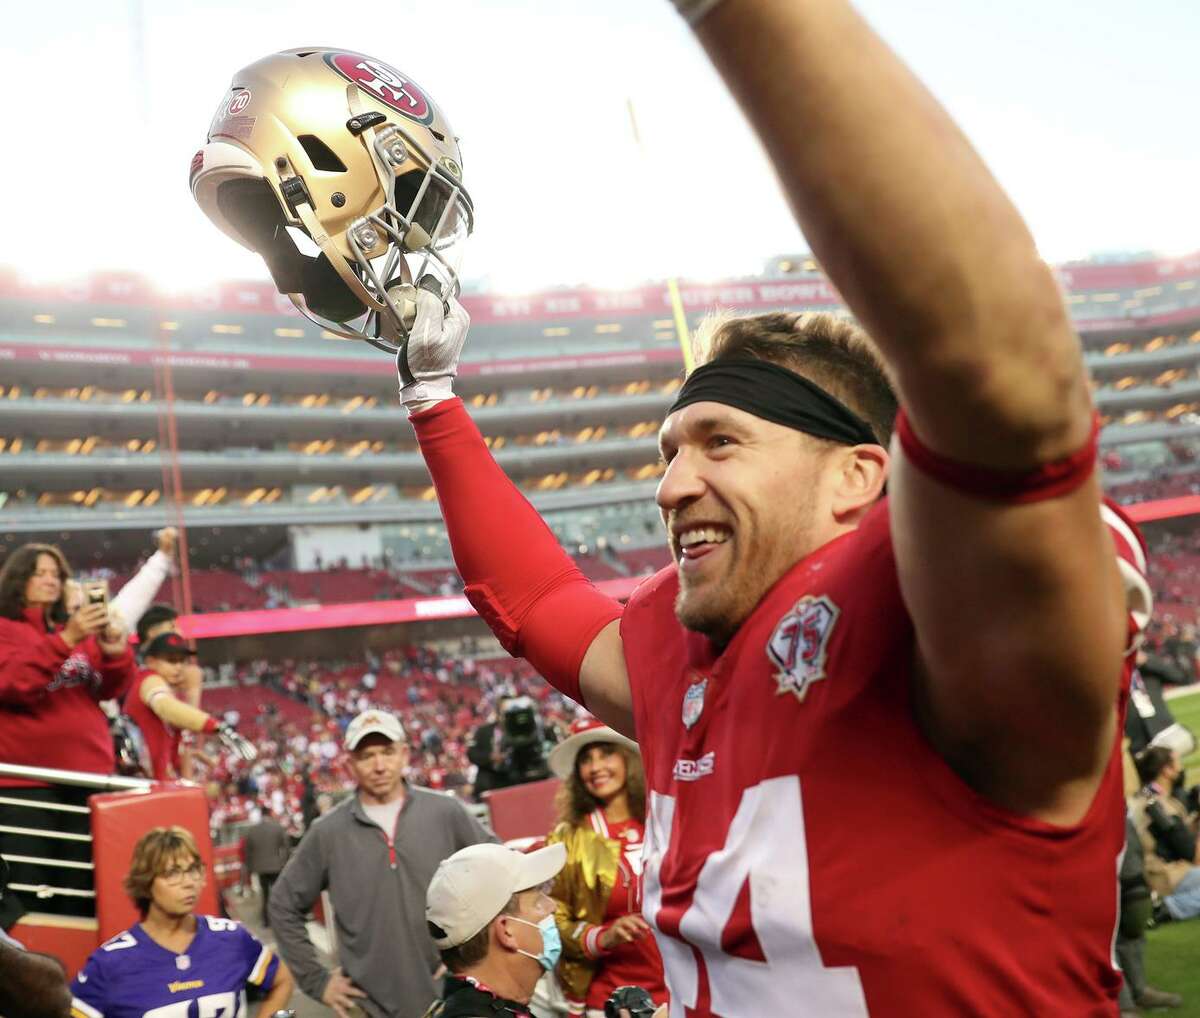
<point x="376" y="852"/>
<point x="266" y="848"/>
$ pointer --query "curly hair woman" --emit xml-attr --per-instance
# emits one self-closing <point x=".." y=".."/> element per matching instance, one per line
<point x="601" y="812"/>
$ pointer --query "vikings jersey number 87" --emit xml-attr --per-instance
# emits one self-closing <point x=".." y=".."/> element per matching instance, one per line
<point x="132" y="976"/>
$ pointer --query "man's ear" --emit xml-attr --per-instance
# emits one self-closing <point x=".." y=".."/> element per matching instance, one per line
<point x="860" y="474"/>
<point x="502" y="935"/>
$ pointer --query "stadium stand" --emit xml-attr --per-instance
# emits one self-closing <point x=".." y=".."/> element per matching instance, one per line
<point x="121" y="410"/>
<point x="283" y="454"/>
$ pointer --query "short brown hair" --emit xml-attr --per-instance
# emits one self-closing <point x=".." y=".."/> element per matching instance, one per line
<point x="574" y="803"/>
<point x="471" y="952"/>
<point x="18" y="568"/>
<point x="154" y="850"/>
<point x="831" y="352"/>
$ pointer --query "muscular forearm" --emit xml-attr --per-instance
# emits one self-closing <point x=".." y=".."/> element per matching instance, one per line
<point x="32" y="985"/>
<point x="911" y="227"/>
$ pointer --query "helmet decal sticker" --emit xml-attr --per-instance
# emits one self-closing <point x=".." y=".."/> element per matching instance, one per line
<point x="384" y="83"/>
<point x="238" y="102"/>
<point x="231" y="120"/>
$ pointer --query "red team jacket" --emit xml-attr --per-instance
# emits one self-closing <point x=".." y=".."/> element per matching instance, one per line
<point x="49" y="698"/>
<point x="809" y="855"/>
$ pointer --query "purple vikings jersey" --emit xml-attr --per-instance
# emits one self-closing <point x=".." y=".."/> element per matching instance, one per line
<point x="131" y="976"/>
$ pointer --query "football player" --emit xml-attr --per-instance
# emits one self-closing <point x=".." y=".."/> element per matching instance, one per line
<point x="174" y="963"/>
<point x="880" y="733"/>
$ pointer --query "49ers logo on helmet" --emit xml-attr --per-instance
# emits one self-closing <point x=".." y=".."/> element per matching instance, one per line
<point x="384" y="83"/>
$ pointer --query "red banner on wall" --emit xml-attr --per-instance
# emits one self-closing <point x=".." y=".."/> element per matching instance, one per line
<point x="107" y="289"/>
<point x="221" y="625"/>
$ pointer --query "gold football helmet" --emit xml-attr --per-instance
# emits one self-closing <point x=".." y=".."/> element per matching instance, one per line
<point x="354" y="154"/>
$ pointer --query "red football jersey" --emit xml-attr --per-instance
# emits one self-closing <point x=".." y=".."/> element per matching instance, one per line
<point x="808" y="853"/>
<point x="162" y="739"/>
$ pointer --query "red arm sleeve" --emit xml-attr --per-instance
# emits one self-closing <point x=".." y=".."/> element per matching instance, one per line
<point x="527" y="589"/>
<point x="29" y="660"/>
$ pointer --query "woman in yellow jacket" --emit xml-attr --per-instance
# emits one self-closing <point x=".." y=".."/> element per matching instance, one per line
<point x="601" y="820"/>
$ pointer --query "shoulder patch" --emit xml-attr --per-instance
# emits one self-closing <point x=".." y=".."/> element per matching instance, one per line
<point x="798" y="644"/>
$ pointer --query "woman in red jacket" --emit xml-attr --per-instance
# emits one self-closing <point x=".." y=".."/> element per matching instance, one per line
<point x="54" y="671"/>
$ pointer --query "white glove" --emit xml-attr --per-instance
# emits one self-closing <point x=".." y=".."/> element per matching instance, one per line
<point x="428" y="359"/>
<point x="235" y="743"/>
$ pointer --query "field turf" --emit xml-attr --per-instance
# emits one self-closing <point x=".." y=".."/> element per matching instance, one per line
<point x="1173" y="951"/>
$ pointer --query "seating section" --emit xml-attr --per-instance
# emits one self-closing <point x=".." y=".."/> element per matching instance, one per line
<point x="642" y="561"/>
<point x="297" y="712"/>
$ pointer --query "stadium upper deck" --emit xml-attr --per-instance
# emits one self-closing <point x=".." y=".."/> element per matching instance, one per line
<point x="277" y="425"/>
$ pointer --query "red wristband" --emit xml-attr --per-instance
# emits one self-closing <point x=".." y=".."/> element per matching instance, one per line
<point x="211" y="725"/>
<point x="523" y="585"/>
<point x="1050" y="480"/>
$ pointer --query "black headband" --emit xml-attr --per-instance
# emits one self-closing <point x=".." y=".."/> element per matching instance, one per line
<point x="775" y="394"/>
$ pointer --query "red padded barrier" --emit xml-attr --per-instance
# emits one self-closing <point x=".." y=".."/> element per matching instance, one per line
<point x="523" y="811"/>
<point x="118" y="820"/>
<point x="71" y="941"/>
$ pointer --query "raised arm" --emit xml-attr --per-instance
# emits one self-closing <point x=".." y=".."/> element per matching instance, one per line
<point x="527" y="589"/>
<point x="1011" y="581"/>
<point x="131" y="601"/>
<point x="909" y="224"/>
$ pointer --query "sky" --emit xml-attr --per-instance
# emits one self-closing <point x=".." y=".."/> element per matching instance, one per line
<point x="1085" y="112"/>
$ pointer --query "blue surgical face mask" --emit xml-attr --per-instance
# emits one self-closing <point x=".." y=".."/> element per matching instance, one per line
<point x="551" y="942"/>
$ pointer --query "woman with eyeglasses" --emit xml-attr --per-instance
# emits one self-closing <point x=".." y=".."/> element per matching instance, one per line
<point x="174" y="963"/>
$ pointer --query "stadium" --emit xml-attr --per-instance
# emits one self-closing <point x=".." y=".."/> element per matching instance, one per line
<point x="623" y="688"/>
<point x="316" y="550"/>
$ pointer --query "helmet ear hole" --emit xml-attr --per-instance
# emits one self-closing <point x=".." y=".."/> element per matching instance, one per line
<point x="320" y="155"/>
<point x="325" y="292"/>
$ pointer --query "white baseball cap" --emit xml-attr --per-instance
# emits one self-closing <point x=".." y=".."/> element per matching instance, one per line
<point x="471" y="888"/>
<point x="369" y="721"/>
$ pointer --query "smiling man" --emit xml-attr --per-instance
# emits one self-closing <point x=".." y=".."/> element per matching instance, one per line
<point x="880" y="734"/>
<point x="375" y="853"/>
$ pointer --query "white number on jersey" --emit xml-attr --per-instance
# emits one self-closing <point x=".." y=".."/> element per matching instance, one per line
<point x="766" y="846"/>
<point x="120" y="942"/>
<point x="220" y="925"/>
<point x="214" y="1005"/>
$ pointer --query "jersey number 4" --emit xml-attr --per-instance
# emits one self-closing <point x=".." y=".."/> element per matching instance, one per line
<point x="765" y="847"/>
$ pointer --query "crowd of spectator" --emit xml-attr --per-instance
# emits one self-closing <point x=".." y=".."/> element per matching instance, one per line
<point x="296" y="712"/>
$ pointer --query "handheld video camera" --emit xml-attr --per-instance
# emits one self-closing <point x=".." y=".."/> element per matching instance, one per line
<point x="632" y="999"/>
<point x="523" y="741"/>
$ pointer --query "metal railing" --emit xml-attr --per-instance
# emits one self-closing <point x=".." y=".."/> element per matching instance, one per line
<point x="53" y="776"/>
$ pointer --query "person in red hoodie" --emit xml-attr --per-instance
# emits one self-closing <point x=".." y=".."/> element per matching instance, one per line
<point x="55" y="669"/>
